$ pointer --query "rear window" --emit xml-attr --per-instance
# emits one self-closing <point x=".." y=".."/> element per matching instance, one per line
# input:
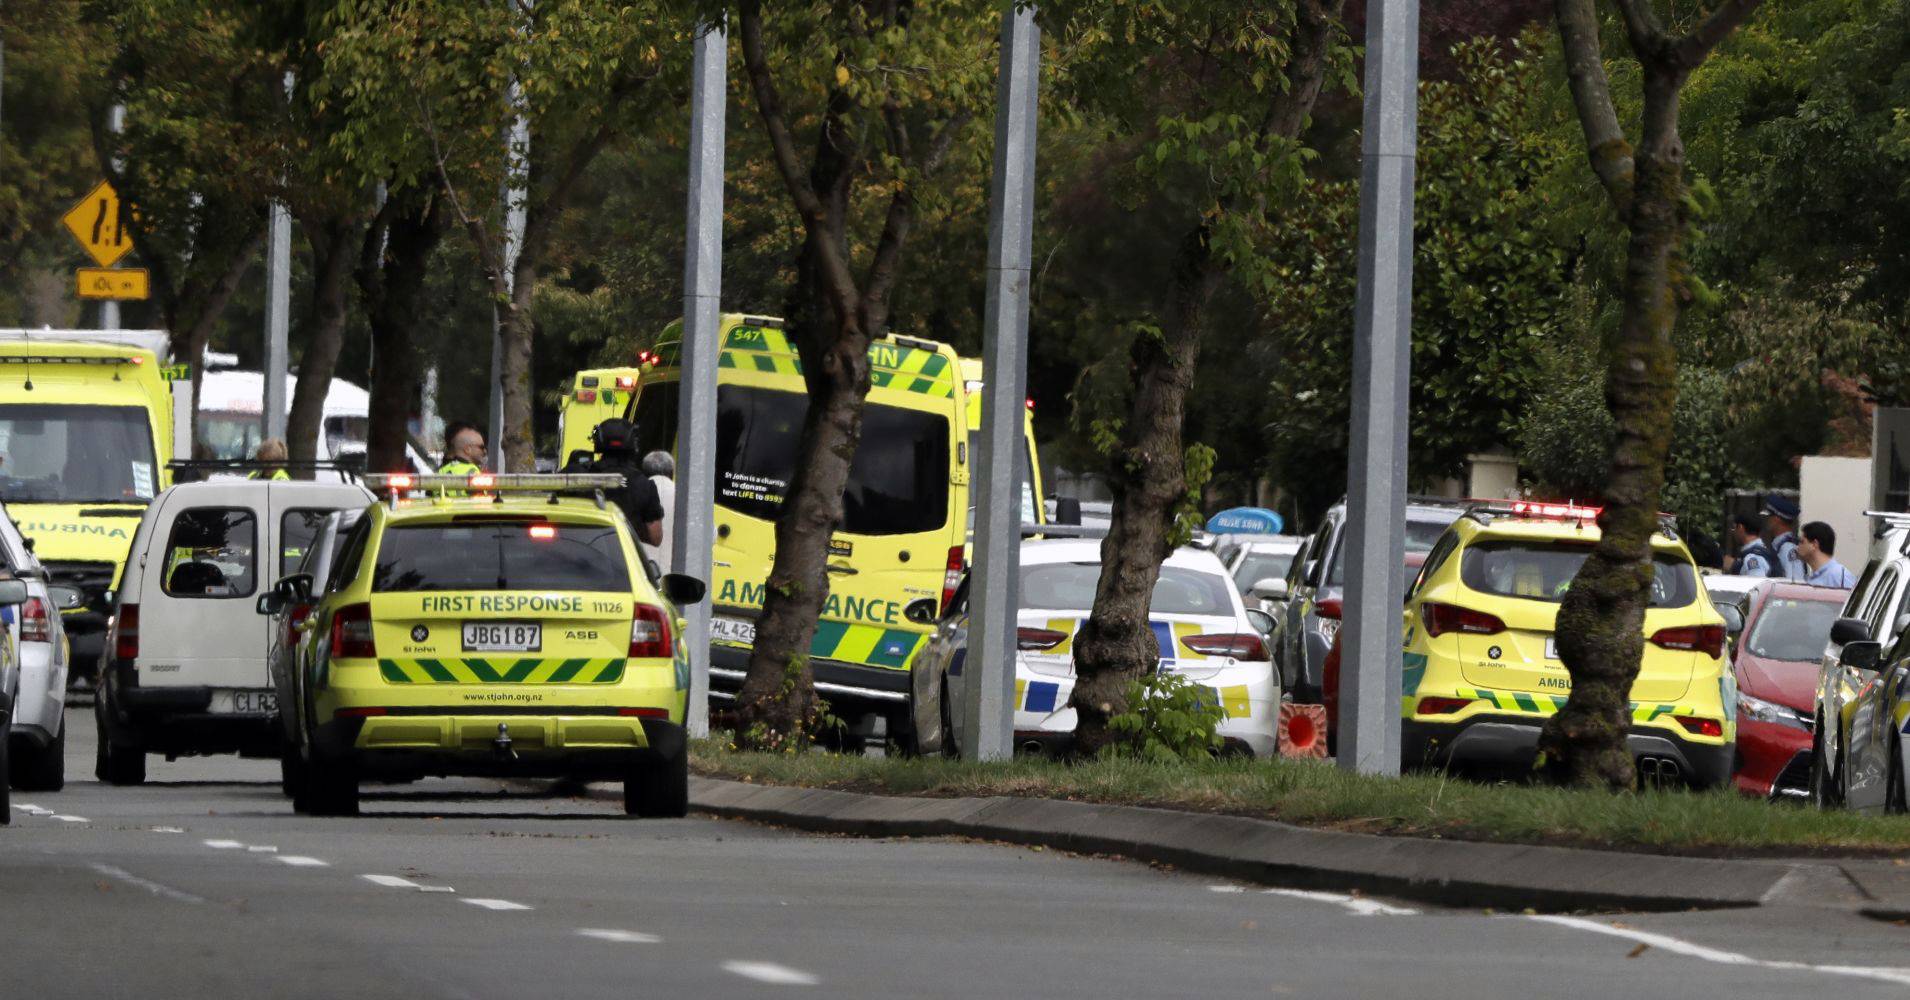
<point x="1070" y="587"/>
<point x="1790" y="629"/>
<point x="1257" y="566"/>
<point x="1543" y="571"/>
<point x="500" y="555"/>
<point x="212" y="552"/>
<point x="1421" y="536"/>
<point x="297" y="529"/>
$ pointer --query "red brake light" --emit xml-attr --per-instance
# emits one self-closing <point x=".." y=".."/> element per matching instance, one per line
<point x="649" y="633"/>
<point x="1441" y="706"/>
<point x="952" y="577"/>
<point x="645" y="713"/>
<point x="482" y="480"/>
<point x="126" y="632"/>
<point x="543" y="532"/>
<point x="1031" y="402"/>
<point x="359" y="713"/>
<point x="34" y="626"/>
<point x="1700" y="727"/>
<point x="400" y="481"/>
<point x="586" y="395"/>
<point x="1036" y="639"/>
<point x="1706" y="639"/>
<point x="1239" y="645"/>
<point x="1443" y="618"/>
<point x="1329" y="608"/>
<point x="351" y="633"/>
<point x="626" y="382"/>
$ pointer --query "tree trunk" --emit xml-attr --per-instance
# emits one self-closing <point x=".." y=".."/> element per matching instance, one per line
<point x="1601" y="621"/>
<point x="194" y="307"/>
<point x="1116" y="646"/>
<point x="393" y="286"/>
<point x="331" y="269"/>
<point x="519" y="446"/>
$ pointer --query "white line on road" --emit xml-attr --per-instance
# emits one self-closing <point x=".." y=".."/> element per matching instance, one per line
<point x="1360" y="905"/>
<point x="1688" y="949"/>
<point x="176" y="895"/>
<point x="262" y="848"/>
<point x="71" y="819"/>
<point x="619" y="937"/>
<point x="168" y="829"/>
<point x="223" y="845"/>
<point x="31" y="809"/>
<point x="771" y="973"/>
<point x="301" y="861"/>
<point x="1225" y="888"/>
<point x="496" y="904"/>
<point x="390" y="881"/>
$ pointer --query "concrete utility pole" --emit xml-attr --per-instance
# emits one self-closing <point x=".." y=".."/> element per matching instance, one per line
<point x="278" y="312"/>
<point x="109" y="308"/>
<point x="989" y="713"/>
<point x="1382" y="360"/>
<point x="694" y="524"/>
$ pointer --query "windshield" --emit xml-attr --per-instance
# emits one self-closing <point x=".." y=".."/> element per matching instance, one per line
<point x="228" y="435"/>
<point x="1256" y="566"/>
<point x="1029" y="514"/>
<point x="1790" y="629"/>
<point x="1420" y="538"/>
<point x="59" y="453"/>
<point x="1070" y="587"/>
<point x="500" y="555"/>
<point x="1543" y="571"/>
<point x="341" y="431"/>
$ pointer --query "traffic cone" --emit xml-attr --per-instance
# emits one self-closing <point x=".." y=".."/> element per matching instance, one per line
<point x="1302" y="731"/>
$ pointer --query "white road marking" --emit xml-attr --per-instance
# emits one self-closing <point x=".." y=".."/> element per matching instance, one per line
<point x="495" y="904"/>
<point x="1360" y="905"/>
<point x="436" y="888"/>
<point x="301" y="861"/>
<point x="168" y="829"/>
<point x="71" y="819"/>
<point x="771" y="973"/>
<point x="1721" y="957"/>
<point x="620" y="937"/>
<point x="262" y="848"/>
<point x="31" y="809"/>
<point x="222" y="845"/>
<point x="1225" y="888"/>
<point x="166" y="891"/>
<point x="390" y="881"/>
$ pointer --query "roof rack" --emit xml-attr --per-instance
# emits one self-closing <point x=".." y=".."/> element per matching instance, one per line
<point x="1030" y="528"/>
<point x="196" y="469"/>
<point x="494" y="484"/>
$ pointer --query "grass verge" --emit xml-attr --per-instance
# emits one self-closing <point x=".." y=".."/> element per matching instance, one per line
<point x="1713" y="824"/>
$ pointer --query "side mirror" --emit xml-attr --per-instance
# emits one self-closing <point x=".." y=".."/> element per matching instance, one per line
<point x="922" y="612"/>
<point x="29" y="543"/>
<point x="109" y="598"/>
<point x="1067" y="510"/>
<point x="1863" y="654"/>
<point x="12" y="593"/>
<point x="1733" y="619"/>
<point x="1307" y="573"/>
<point x="1844" y="631"/>
<point x="1270" y="588"/>
<point x="64" y="597"/>
<point x="271" y="603"/>
<point x="579" y="459"/>
<point x="681" y="589"/>
<point x="1262" y="622"/>
<point x="294" y="588"/>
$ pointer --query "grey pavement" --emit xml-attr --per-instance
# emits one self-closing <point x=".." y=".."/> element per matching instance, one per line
<point x="204" y="883"/>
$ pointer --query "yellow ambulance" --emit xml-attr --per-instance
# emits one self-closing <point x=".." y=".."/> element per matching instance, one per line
<point x="596" y="395"/>
<point x="904" y="532"/>
<point x="1033" y="499"/>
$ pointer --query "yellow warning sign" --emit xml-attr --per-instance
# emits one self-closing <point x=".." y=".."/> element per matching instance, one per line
<point x="98" y="224"/>
<point x="114" y="283"/>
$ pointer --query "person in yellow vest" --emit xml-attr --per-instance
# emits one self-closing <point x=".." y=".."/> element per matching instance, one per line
<point x="464" y="451"/>
<point x="270" y="450"/>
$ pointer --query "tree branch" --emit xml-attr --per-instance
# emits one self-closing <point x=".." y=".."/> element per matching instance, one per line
<point x="1605" y="143"/>
<point x="1694" y="47"/>
<point x="769" y="104"/>
<point x="884" y="266"/>
<point x="480" y="235"/>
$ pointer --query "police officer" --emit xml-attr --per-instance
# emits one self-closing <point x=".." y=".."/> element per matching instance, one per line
<point x="270" y="450"/>
<point x="463" y="451"/>
<point x="616" y="447"/>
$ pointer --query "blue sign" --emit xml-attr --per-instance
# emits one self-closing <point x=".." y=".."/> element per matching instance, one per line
<point x="1246" y="521"/>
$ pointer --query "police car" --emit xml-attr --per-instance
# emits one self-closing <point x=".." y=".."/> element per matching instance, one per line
<point x="1482" y="671"/>
<point x="497" y="625"/>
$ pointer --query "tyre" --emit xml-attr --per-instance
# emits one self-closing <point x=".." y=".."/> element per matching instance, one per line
<point x="658" y="786"/>
<point x="901" y="734"/>
<point x="949" y="747"/>
<point x="115" y="765"/>
<point x="42" y="770"/>
<point x="6" y="800"/>
<point x="1823" y="789"/>
<point x="292" y="773"/>
<point x="331" y="789"/>
<point x="1895" y="799"/>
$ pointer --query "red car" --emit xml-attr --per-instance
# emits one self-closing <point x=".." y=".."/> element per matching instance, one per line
<point x="1776" y="667"/>
<point x="1330" y="609"/>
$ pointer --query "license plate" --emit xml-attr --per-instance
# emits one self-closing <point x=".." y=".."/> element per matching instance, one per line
<point x="1551" y="648"/>
<point x="503" y="637"/>
<point x="255" y="702"/>
<point x="733" y="630"/>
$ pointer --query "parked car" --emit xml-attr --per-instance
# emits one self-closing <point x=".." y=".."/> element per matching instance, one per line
<point x="1731" y="595"/>
<point x="286" y="662"/>
<point x="1304" y="635"/>
<point x="13" y="593"/>
<point x="186" y="650"/>
<point x="36" y="688"/>
<point x="1254" y="560"/>
<point x="1875" y="612"/>
<point x="1204" y="631"/>
<point x="1776" y="667"/>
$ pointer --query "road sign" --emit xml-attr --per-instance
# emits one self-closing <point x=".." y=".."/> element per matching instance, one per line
<point x="97" y="223"/>
<point x="114" y="283"/>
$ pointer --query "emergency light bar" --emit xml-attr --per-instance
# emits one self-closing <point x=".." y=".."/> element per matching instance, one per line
<point x="491" y="482"/>
<point x="1552" y="511"/>
<point x="60" y="359"/>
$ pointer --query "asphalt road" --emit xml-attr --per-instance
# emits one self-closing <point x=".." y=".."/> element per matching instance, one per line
<point x="203" y="883"/>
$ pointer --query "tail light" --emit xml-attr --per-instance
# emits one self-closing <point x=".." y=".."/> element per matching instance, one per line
<point x="1036" y="639"/>
<point x="1239" y="645"/>
<point x="1329" y="608"/>
<point x="952" y="578"/>
<point x="1700" y="727"/>
<point x="645" y="713"/>
<point x="1442" y="706"/>
<point x="1443" y="618"/>
<point x="649" y="633"/>
<point x="34" y="626"/>
<point x="1706" y="639"/>
<point x="351" y="633"/>
<point x="126" y="632"/>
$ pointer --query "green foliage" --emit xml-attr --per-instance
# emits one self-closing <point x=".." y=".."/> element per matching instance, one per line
<point x="1169" y="718"/>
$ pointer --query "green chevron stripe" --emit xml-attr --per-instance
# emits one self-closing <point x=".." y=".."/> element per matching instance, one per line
<point x="828" y="637"/>
<point x="521" y="671"/>
<point x="567" y="670"/>
<point x="437" y="672"/>
<point x="483" y="670"/>
<point x="391" y="671"/>
<point x="611" y="673"/>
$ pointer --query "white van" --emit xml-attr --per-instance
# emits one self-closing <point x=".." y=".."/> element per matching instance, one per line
<point x="186" y="652"/>
<point x="231" y="401"/>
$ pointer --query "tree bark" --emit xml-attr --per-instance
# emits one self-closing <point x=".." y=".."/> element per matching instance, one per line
<point x="1601" y="620"/>
<point x="331" y="242"/>
<point x="391" y="277"/>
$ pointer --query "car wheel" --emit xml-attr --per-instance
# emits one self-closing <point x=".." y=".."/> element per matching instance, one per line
<point x="658" y="786"/>
<point x="1823" y="792"/>
<point x="292" y="773"/>
<point x="901" y="730"/>
<point x="6" y="799"/>
<point x="42" y="770"/>
<point x="331" y="788"/>
<point x="949" y="746"/>
<point x="116" y="765"/>
<point x="1894" y="797"/>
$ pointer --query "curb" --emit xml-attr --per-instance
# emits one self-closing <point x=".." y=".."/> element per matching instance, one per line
<point x="1442" y="872"/>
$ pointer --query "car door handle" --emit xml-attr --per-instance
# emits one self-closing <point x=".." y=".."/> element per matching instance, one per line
<point x="842" y="569"/>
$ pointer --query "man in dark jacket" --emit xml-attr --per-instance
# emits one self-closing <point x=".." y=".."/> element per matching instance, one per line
<point x="616" y="446"/>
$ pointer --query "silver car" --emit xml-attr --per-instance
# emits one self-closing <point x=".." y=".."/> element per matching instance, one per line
<point x="33" y="680"/>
